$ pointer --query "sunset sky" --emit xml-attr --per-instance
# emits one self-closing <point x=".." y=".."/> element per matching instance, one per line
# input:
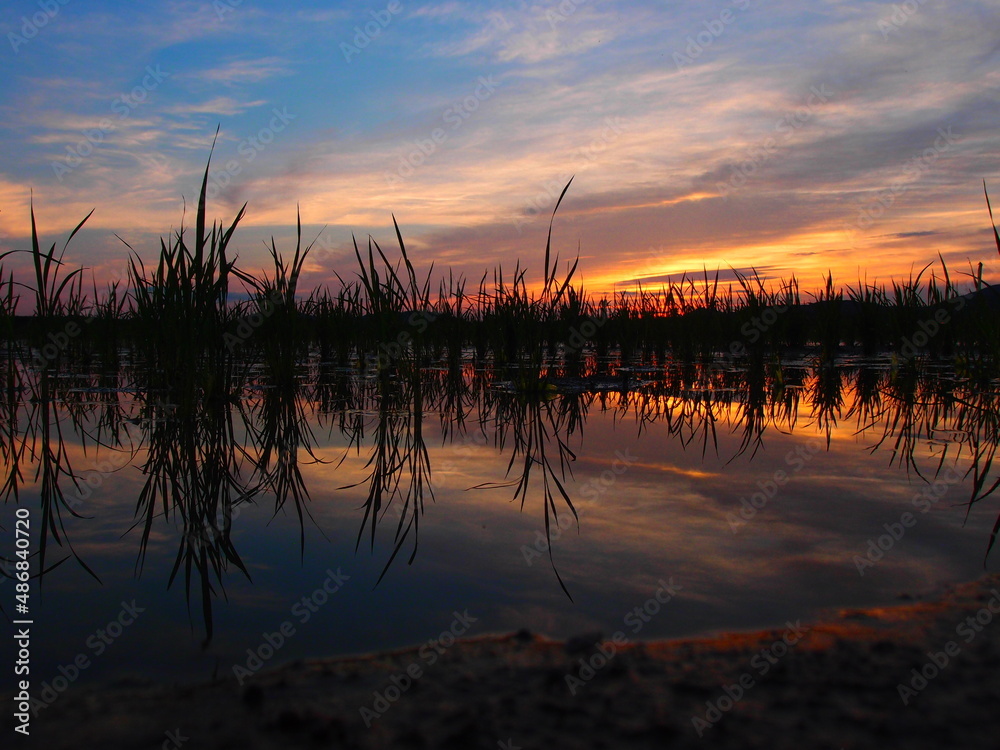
<point x="789" y="137"/>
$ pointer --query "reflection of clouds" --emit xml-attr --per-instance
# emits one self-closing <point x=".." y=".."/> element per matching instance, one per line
<point x="666" y="515"/>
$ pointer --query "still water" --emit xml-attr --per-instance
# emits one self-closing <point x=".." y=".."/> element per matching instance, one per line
<point x="355" y="513"/>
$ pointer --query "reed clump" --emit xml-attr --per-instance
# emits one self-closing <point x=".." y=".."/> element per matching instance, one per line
<point x="182" y="318"/>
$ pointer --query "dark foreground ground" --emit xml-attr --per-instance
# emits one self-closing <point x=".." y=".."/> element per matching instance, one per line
<point x="834" y="684"/>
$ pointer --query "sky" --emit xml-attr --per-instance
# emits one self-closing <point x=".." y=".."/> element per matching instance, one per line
<point x="791" y="138"/>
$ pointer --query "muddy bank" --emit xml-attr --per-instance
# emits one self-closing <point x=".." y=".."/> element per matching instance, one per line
<point x="920" y="675"/>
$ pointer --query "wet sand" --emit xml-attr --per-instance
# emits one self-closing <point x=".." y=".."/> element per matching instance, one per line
<point x="846" y="681"/>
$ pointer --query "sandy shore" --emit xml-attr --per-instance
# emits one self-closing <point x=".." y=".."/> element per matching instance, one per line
<point x="845" y="682"/>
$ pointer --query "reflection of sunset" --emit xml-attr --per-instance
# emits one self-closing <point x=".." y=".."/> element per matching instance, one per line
<point x="758" y="490"/>
<point x="500" y="314"/>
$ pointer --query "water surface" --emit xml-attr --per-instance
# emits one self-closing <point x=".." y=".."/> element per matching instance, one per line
<point x="758" y="494"/>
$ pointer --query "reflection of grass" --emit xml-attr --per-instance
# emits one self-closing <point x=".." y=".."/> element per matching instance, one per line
<point x="535" y="424"/>
<point x="56" y="294"/>
<point x="195" y="469"/>
<point x="398" y="459"/>
<point x="203" y="458"/>
<point x="207" y="452"/>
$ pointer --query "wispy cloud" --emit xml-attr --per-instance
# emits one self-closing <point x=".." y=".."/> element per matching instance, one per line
<point x="220" y="105"/>
<point x="236" y="72"/>
<point x="722" y="157"/>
